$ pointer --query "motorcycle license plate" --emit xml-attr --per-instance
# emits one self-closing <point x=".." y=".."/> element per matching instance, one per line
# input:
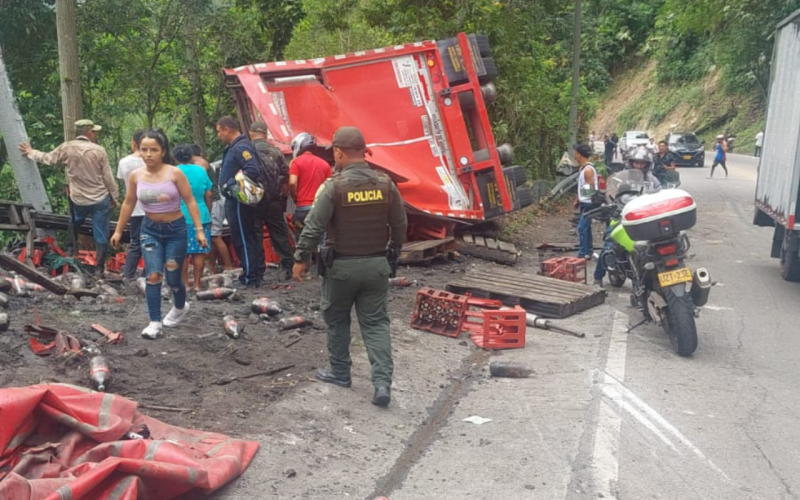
<point x="687" y="157"/>
<point x="670" y="278"/>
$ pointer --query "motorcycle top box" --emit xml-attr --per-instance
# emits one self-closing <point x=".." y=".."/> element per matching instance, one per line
<point x="659" y="215"/>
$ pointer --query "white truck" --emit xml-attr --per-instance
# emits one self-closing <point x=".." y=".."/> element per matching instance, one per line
<point x="630" y="140"/>
<point x="779" y="167"/>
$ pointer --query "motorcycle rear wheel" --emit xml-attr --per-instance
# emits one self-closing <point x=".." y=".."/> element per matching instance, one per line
<point x="679" y="323"/>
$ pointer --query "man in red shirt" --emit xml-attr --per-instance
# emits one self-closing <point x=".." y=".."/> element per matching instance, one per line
<point x="307" y="172"/>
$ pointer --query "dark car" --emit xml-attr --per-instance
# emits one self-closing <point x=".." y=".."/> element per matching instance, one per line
<point x="687" y="149"/>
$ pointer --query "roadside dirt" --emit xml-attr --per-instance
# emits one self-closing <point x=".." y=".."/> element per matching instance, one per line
<point x="187" y="369"/>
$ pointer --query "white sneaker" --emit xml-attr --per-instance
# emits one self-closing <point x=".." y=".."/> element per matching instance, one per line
<point x="153" y="330"/>
<point x="175" y="316"/>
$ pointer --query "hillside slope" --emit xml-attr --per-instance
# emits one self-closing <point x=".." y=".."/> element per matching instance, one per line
<point x="637" y="101"/>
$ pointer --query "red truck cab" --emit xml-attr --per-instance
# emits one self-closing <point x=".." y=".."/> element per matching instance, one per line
<point x="422" y="110"/>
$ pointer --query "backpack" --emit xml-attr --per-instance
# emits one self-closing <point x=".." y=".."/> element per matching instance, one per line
<point x="274" y="175"/>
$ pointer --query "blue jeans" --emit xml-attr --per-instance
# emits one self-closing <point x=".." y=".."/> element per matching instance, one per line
<point x="100" y="213"/>
<point x="600" y="268"/>
<point x="163" y="248"/>
<point x="585" y="247"/>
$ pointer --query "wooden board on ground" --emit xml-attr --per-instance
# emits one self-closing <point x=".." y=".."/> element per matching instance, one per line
<point x="488" y="249"/>
<point x="10" y="263"/>
<point x="539" y="295"/>
<point x="423" y="252"/>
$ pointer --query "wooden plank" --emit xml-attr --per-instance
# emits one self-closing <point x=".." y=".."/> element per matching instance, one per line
<point x="491" y="243"/>
<point x="486" y="253"/>
<point x="10" y="263"/>
<point x="552" y="295"/>
<point x="506" y="247"/>
<point x="480" y="241"/>
<point x="468" y="239"/>
<point x="533" y="281"/>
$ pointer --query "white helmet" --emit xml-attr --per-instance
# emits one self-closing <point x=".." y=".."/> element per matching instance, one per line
<point x="641" y="155"/>
<point x="246" y="190"/>
<point x="302" y="143"/>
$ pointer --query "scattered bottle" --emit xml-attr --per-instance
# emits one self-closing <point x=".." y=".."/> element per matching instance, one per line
<point x="77" y="282"/>
<point x="140" y="431"/>
<point x="100" y="372"/>
<point x="215" y="293"/>
<point x="263" y="305"/>
<point x="4" y="300"/>
<point x="4" y="321"/>
<point x="34" y="287"/>
<point x="141" y="284"/>
<point x="399" y="281"/>
<point x="292" y="322"/>
<point x="5" y="284"/>
<point x="18" y="285"/>
<point x="232" y="327"/>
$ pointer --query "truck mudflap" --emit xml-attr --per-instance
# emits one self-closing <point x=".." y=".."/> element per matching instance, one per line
<point x="436" y="146"/>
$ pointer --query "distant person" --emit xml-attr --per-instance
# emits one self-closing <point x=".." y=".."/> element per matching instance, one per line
<point x="759" y="143"/>
<point x="127" y="165"/>
<point x="592" y="138"/>
<point x="273" y="212"/>
<point x="197" y="157"/>
<point x="307" y="172"/>
<point x="160" y="187"/>
<point x="615" y="141"/>
<point x="587" y="186"/>
<point x="663" y="161"/>
<point x="201" y="190"/>
<point x="608" y="150"/>
<point x="651" y="146"/>
<point x="719" y="158"/>
<point x="92" y="190"/>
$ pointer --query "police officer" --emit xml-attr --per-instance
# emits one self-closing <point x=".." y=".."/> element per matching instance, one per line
<point x="240" y="154"/>
<point x="274" y="211"/>
<point x="362" y="211"/>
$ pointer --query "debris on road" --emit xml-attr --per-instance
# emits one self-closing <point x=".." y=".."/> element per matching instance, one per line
<point x="488" y="249"/>
<point x="571" y="269"/>
<point x="4" y="321"/>
<point x="263" y="305"/>
<point x="496" y="328"/>
<point x="475" y="419"/>
<point x="537" y="322"/>
<point x="425" y="252"/>
<point x="43" y="340"/>
<point x="292" y="322"/>
<point x="227" y="379"/>
<point x="232" y="327"/>
<point x="439" y="312"/>
<point x="399" y="281"/>
<point x="218" y="293"/>
<point x="540" y="295"/>
<point x="508" y="369"/>
<point x="99" y="372"/>
<point x="111" y="337"/>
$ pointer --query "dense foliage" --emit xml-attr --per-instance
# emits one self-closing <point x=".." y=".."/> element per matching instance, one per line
<point x="158" y="62"/>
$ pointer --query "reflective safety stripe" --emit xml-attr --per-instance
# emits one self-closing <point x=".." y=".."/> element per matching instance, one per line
<point x="121" y="487"/>
<point x="105" y="411"/>
<point x="65" y="493"/>
<point x="152" y="448"/>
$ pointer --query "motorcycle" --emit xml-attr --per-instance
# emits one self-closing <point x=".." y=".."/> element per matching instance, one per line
<point x="647" y="244"/>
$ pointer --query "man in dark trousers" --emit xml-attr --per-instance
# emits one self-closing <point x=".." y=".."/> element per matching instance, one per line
<point x="240" y="154"/>
<point x="273" y="212"/>
<point x="362" y="211"/>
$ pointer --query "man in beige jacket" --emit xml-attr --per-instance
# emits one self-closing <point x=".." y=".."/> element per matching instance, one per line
<point x="93" y="192"/>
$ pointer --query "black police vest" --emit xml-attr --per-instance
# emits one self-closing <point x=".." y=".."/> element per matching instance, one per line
<point x="360" y="223"/>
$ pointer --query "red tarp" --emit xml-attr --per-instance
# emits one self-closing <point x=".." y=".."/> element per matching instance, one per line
<point x="60" y="441"/>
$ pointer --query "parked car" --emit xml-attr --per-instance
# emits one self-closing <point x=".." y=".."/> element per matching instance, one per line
<point x="687" y="149"/>
<point x="630" y="140"/>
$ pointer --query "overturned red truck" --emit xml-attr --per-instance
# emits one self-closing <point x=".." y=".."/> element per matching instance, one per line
<point x="422" y="109"/>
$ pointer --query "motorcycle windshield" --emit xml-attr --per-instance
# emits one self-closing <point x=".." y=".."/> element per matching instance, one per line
<point x="630" y="180"/>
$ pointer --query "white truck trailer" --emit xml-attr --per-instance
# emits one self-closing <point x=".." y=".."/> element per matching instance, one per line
<point x="779" y="166"/>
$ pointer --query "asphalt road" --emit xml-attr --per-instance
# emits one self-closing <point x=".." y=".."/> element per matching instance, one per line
<point x="613" y="415"/>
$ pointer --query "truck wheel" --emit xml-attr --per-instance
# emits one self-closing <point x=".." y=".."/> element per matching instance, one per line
<point x="506" y="153"/>
<point x="517" y="174"/>
<point x="467" y="99"/>
<point x="790" y="262"/>
<point x="524" y="196"/>
<point x="491" y="71"/>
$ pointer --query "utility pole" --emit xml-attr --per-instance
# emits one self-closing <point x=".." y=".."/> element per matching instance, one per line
<point x="576" y="78"/>
<point x="26" y="172"/>
<point x="71" y="100"/>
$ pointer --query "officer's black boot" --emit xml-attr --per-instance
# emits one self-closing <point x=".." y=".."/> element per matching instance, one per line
<point x="382" y="397"/>
<point x="328" y="377"/>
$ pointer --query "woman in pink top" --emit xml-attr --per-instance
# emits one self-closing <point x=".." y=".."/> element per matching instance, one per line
<point x="159" y="188"/>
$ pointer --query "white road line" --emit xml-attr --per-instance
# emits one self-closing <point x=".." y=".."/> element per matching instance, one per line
<point x="605" y="455"/>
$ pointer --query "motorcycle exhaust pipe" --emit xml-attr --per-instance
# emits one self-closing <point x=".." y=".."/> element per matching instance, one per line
<point x="701" y="286"/>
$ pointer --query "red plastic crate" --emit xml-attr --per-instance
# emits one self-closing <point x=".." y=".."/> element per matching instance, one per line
<point x="565" y="268"/>
<point x="499" y="329"/>
<point x="439" y="312"/>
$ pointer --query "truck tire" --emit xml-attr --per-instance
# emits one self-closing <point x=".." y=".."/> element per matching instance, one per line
<point x="505" y="152"/>
<point x="467" y="99"/>
<point x="491" y="71"/>
<point x="517" y="173"/>
<point x="524" y="196"/>
<point x="790" y="261"/>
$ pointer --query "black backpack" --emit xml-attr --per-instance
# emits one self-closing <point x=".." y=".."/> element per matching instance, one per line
<point x="274" y="174"/>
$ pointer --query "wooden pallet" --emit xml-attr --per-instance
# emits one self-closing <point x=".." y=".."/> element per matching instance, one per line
<point x="423" y="252"/>
<point x="539" y="295"/>
<point x="488" y="249"/>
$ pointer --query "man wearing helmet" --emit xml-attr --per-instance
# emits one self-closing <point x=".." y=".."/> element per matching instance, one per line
<point x="307" y="172"/>
<point x="641" y="159"/>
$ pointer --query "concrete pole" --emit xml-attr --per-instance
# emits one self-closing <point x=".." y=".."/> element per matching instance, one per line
<point x="576" y="78"/>
<point x="26" y="172"/>
<point x="71" y="99"/>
